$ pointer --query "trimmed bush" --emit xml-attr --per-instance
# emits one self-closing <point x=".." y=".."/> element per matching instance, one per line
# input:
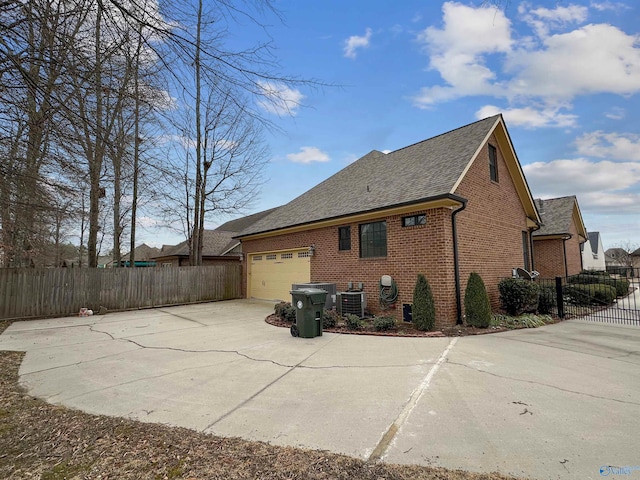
<point x="383" y="323"/>
<point x="590" y="294"/>
<point x="477" y="307"/>
<point x="329" y="318"/>
<point x="424" y="308"/>
<point x="547" y="300"/>
<point x="518" y="296"/>
<point x="285" y="311"/>
<point x="620" y="285"/>
<point x="353" y="322"/>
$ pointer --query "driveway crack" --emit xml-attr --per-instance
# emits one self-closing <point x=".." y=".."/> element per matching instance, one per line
<point x="542" y="384"/>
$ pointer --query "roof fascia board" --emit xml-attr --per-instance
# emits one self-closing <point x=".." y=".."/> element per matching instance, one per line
<point x="513" y="165"/>
<point x="426" y="204"/>
<point x="474" y="156"/>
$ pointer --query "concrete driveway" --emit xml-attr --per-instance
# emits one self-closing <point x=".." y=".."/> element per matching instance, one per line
<point x="562" y="401"/>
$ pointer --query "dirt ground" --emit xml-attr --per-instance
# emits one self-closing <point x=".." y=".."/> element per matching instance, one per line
<point x="39" y="440"/>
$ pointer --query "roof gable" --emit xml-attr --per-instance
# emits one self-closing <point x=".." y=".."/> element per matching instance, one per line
<point x="216" y="243"/>
<point x="420" y="172"/>
<point x="557" y="215"/>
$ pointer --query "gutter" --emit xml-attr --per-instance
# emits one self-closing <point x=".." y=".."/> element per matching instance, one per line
<point x="533" y="255"/>
<point x="456" y="266"/>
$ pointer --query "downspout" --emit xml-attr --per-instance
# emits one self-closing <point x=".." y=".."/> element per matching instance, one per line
<point x="533" y="255"/>
<point x="456" y="267"/>
<point x="564" y="251"/>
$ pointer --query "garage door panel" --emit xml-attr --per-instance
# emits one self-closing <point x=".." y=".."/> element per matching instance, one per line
<point x="272" y="274"/>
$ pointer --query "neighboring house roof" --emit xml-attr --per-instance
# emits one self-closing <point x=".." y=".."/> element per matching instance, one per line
<point x="215" y="244"/>
<point x="594" y="240"/>
<point x="143" y="252"/>
<point x="422" y="172"/>
<point x="557" y="214"/>
<point x="616" y="253"/>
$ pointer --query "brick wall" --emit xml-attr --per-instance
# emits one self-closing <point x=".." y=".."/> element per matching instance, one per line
<point x="549" y="255"/>
<point x="426" y="249"/>
<point x="490" y="228"/>
<point x="489" y="234"/>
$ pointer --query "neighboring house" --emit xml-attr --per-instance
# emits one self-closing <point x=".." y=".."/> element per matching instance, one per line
<point x="619" y="260"/>
<point x="219" y="245"/>
<point x="593" y="253"/>
<point x="143" y="257"/>
<point x="556" y="245"/>
<point x="445" y="207"/>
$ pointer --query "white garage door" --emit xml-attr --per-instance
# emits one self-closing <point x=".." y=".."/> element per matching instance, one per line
<point x="272" y="274"/>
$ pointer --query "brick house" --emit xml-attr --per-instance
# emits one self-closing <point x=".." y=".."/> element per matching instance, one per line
<point x="444" y="207"/>
<point x="557" y="244"/>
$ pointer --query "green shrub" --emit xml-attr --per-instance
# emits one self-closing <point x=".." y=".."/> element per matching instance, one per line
<point x="477" y="307"/>
<point x="547" y="300"/>
<point x="620" y="285"/>
<point x="353" y="322"/>
<point x="424" y="308"/>
<point x="518" y="295"/>
<point x="590" y="294"/>
<point x="285" y="311"/>
<point x="329" y="318"/>
<point x="383" y="323"/>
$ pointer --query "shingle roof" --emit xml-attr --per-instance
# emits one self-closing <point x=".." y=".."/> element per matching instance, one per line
<point x="215" y="244"/>
<point x="239" y="224"/>
<point x="143" y="253"/>
<point x="556" y="215"/>
<point x="422" y="171"/>
<point x="594" y="240"/>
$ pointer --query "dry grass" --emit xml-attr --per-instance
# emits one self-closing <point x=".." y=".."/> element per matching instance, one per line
<point x="39" y="440"/>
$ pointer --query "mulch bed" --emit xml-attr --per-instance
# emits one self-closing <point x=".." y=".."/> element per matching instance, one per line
<point x="39" y="440"/>
<point x="402" y="329"/>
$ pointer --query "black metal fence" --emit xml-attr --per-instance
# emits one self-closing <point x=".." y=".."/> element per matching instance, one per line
<point x="595" y="296"/>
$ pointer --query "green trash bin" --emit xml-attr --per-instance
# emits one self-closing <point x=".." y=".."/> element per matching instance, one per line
<point x="309" y="305"/>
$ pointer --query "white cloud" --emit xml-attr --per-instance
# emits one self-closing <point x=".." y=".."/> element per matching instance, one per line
<point x="616" y="146"/>
<point x="355" y="42"/>
<point x="530" y="117"/>
<point x="542" y="20"/>
<point x="308" y="155"/>
<point x="601" y="187"/>
<point x="565" y="65"/>
<point x="280" y="99"/>
<point x="615" y="6"/>
<point x="477" y="53"/>
<point x="457" y="52"/>
<point x="616" y="113"/>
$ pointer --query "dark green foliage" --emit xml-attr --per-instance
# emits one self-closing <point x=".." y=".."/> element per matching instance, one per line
<point x="620" y="285"/>
<point x="285" y="311"/>
<point x="329" y="318"/>
<point x="518" y="296"/>
<point x="280" y="309"/>
<point x="383" y="323"/>
<point x="590" y="294"/>
<point x="547" y="300"/>
<point x="424" y="308"/>
<point x="353" y="322"/>
<point x="477" y="307"/>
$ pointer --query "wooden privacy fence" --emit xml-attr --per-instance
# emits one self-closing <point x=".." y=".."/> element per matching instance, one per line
<point x="43" y="292"/>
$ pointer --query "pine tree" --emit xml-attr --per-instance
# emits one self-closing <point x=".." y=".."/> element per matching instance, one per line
<point x="424" y="309"/>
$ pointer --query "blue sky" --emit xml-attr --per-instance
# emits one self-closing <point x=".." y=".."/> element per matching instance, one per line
<point x="565" y="75"/>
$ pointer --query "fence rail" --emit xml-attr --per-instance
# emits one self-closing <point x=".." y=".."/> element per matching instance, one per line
<point x="611" y="298"/>
<point x="33" y="293"/>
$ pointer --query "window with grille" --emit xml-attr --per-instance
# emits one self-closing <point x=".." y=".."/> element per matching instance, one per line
<point x="344" y="238"/>
<point x="373" y="239"/>
<point x="414" y="220"/>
